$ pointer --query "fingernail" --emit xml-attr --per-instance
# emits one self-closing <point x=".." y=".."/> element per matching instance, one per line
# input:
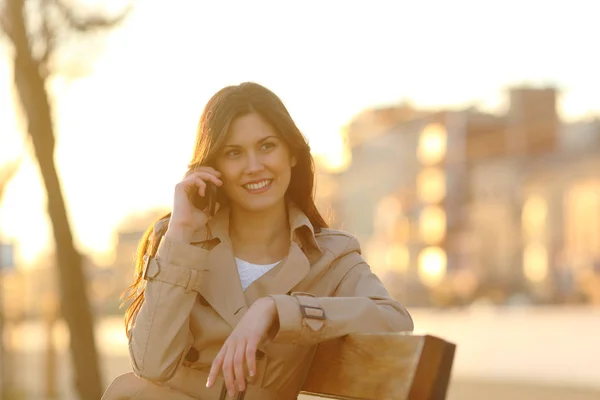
<point x="252" y="373"/>
<point x="208" y="383"/>
<point x="231" y="394"/>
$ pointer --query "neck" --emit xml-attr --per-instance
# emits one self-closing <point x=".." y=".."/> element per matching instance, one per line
<point x="262" y="233"/>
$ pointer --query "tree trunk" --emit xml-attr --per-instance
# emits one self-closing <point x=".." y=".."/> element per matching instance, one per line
<point x="75" y="306"/>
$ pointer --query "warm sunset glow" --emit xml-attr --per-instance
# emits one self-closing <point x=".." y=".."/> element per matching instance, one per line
<point x="336" y="158"/>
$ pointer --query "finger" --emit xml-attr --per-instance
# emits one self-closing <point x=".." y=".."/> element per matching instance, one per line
<point x="251" y="349"/>
<point x="238" y="367"/>
<point x="210" y="177"/>
<point x="201" y="186"/>
<point x="203" y="168"/>
<point x="190" y="184"/>
<point x="207" y="176"/>
<point x="227" y="368"/>
<point x="215" y="368"/>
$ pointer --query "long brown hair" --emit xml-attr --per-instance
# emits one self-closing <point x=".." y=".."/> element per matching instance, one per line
<point x="219" y="113"/>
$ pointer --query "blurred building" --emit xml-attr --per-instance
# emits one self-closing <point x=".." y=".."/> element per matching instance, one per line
<point x="451" y="206"/>
<point x="128" y="237"/>
<point x="33" y="292"/>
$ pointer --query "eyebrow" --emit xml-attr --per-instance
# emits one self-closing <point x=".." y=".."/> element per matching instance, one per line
<point x="259" y="142"/>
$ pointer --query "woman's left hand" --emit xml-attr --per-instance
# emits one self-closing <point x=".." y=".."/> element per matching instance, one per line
<point x="241" y="346"/>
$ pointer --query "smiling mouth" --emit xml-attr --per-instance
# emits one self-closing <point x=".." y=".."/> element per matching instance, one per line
<point x="258" y="186"/>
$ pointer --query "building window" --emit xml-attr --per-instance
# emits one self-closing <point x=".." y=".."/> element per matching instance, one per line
<point x="432" y="145"/>
<point x="535" y="213"/>
<point x="582" y="220"/>
<point x="432" y="266"/>
<point x="431" y="185"/>
<point x="432" y="224"/>
<point x="535" y="263"/>
<point x="534" y="224"/>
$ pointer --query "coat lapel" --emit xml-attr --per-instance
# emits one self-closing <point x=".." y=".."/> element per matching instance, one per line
<point x="282" y="278"/>
<point x="296" y="266"/>
<point x="222" y="287"/>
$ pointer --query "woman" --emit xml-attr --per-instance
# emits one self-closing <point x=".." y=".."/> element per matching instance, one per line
<point x="236" y="304"/>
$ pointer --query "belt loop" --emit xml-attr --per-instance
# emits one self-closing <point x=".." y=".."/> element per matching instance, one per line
<point x="192" y="281"/>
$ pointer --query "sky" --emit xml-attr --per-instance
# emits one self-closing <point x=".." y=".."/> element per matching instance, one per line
<point x="126" y="107"/>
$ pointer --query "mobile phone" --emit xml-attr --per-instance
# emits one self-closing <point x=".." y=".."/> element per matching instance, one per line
<point x="209" y="201"/>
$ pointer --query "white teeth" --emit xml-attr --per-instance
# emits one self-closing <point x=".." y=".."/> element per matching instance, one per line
<point x="256" y="186"/>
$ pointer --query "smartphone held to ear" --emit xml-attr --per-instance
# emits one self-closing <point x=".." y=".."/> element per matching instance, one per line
<point x="207" y="203"/>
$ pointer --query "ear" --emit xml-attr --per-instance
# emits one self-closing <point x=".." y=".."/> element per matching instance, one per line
<point x="294" y="161"/>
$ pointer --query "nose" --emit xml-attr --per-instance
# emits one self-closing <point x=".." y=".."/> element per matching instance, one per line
<point x="254" y="163"/>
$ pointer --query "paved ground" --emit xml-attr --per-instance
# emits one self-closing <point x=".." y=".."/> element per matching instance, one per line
<point x="472" y="390"/>
<point x="32" y="367"/>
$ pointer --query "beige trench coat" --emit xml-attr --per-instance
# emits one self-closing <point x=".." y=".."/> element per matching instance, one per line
<point x="323" y="289"/>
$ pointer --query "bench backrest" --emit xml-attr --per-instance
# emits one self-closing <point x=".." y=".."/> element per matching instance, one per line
<point x="380" y="367"/>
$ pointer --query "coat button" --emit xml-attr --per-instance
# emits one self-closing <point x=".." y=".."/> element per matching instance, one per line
<point x="192" y="355"/>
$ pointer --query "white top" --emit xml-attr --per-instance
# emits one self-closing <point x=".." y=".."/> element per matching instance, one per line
<point x="250" y="272"/>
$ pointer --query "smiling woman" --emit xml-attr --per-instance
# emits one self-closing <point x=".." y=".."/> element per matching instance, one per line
<point x="240" y="298"/>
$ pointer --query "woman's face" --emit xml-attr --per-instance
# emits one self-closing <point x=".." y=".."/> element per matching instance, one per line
<point x="255" y="165"/>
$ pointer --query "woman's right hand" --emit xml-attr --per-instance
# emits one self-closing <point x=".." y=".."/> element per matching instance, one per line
<point x="187" y="219"/>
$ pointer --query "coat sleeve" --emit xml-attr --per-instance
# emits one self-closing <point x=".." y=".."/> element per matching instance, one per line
<point x="160" y="337"/>
<point x="359" y="304"/>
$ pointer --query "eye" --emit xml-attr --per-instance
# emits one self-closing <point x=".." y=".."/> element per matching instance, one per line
<point x="267" y="146"/>
<point x="232" y="153"/>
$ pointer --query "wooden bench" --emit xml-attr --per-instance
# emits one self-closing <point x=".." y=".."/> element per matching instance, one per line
<point x="381" y="367"/>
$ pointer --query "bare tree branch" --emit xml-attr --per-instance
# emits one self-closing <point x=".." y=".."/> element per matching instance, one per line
<point x="48" y="33"/>
<point x="47" y="37"/>
<point x="91" y="22"/>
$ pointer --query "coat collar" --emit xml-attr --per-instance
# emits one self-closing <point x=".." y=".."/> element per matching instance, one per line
<point x="222" y="287"/>
<point x="301" y="230"/>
